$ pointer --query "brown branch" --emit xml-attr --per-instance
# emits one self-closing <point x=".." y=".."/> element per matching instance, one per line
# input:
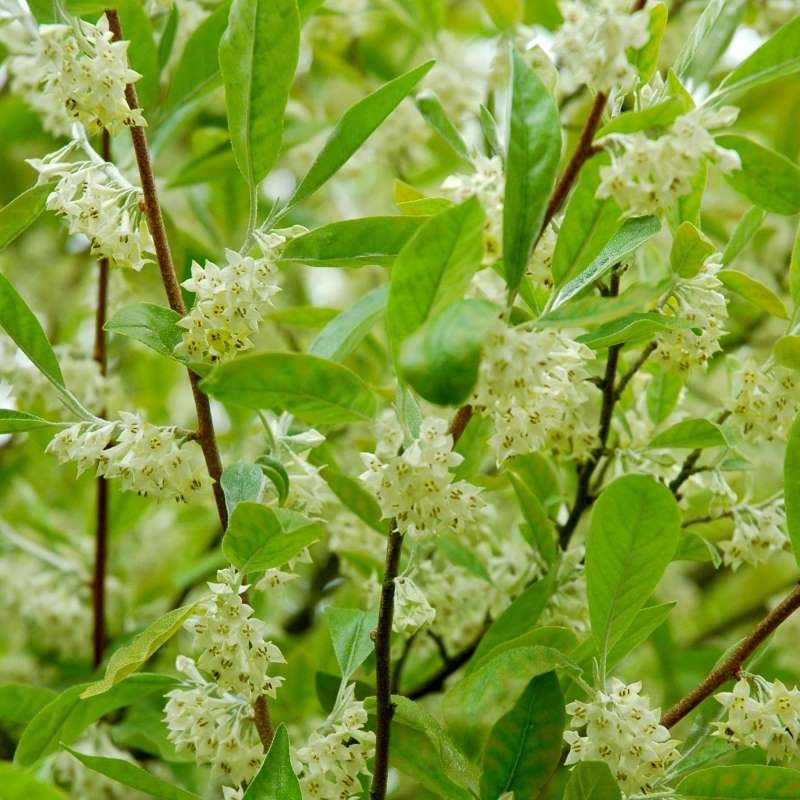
<point x="625" y="379"/>
<point x="100" y="355"/>
<point x="155" y="222"/>
<point x="583" y="152"/>
<point x="731" y="666"/>
<point x="460" y="422"/>
<point x="436" y="681"/>
<point x="689" y="467"/>
<point x="383" y="665"/>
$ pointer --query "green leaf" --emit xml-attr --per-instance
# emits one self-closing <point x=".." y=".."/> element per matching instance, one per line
<point x="587" y="226"/>
<point x="13" y="421"/>
<point x="518" y="618"/>
<point x="20" y="323"/>
<point x="632" y="234"/>
<point x="142" y="50"/>
<point x="345" y="331"/>
<point x="691" y="434"/>
<point x="276" y="779"/>
<point x="455" y="551"/>
<point x="354" y="127"/>
<point x="276" y="474"/>
<point x="524" y="746"/>
<point x="741" y="782"/>
<point x="432" y="110"/>
<point x="353" y="242"/>
<point x="766" y="178"/>
<point x="130" y="774"/>
<point x="754" y="291"/>
<point x="659" y="115"/>
<point x="66" y="716"/>
<point x="632" y="328"/>
<point x="708" y="39"/>
<point x="422" y="749"/>
<point x="153" y="325"/>
<point x="592" y="310"/>
<point x="591" y="780"/>
<point x="504" y="13"/>
<point x="663" y="392"/>
<point x="646" y="58"/>
<point x="690" y="249"/>
<point x="633" y="534"/>
<point x="778" y="57"/>
<point x="315" y="390"/>
<point x="257" y="538"/>
<point x="544" y="532"/>
<point x="434" y="269"/>
<point x="257" y="59"/>
<point x="18" y="784"/>
<point x="351" y="634"/>
<point x="197" y="70"/>
<point x="491" y="133"/>
<point x="746" y="229"/>
<point x="787" y="352"/>
<point x="534" y="152"/>
<point x="18" y="215"/>
<point x="130" y="657"/>
<point x="354" y="496"/>
<point x="791" y="486"/>
<point x="473" y="705"/>
<point x="794" y="269"/>
<point x="20" y="702"/>
<point x="646" y="621"/>
<point x="241" y="482"/>
<point x="440" y="361"/>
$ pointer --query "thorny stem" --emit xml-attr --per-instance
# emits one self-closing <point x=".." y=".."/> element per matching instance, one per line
<point x="100" y="355"/>
<point x="731" y="666"/>
<point x="155" y="222"/>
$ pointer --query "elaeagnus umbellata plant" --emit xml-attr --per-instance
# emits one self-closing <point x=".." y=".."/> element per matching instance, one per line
<point x="398" y="399"/>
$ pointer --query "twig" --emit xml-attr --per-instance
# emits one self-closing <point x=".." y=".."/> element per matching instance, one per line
<point x="400" y="664"/>
<point x="460" y="422"/>
<point x="730" y="667"/>
<point x="263" y="722"/>
<point x="689" y="467"/>
<point x="155" y="222"/>
<point x="383" y="665"/>
<point x="100" y="355"/>
<point x="436" y="681"/>
<point x="583" y="152"/>
<point x="625" y="379"/>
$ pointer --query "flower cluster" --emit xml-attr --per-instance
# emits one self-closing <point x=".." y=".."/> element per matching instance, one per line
<point x="230" y="303"/>
<point x="646" y="176"/>
<point x="31" y="389"/>
<point x="535" y="387"/>
<point x="211" y="714"/>
<point x="335" y="755"/>
<point x="231" y="642"/>
<point x="759" y="531"/>
<point x="80" y="69"/>
<point x="52" y="600"/>
<point x="487" y="183"/>
<point x="98" y="203"/>
<point x="415" y="487"/>
<point x="594" y="41"/>
<point x="214" y="726"/>
<point x="148" y="459"/>
<point x="623" y="731"/>
<point x="761" y="714"/>
<point x="765" y="401"/>
<point x="412" y="610"/>
<point x="700" y="302"/>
